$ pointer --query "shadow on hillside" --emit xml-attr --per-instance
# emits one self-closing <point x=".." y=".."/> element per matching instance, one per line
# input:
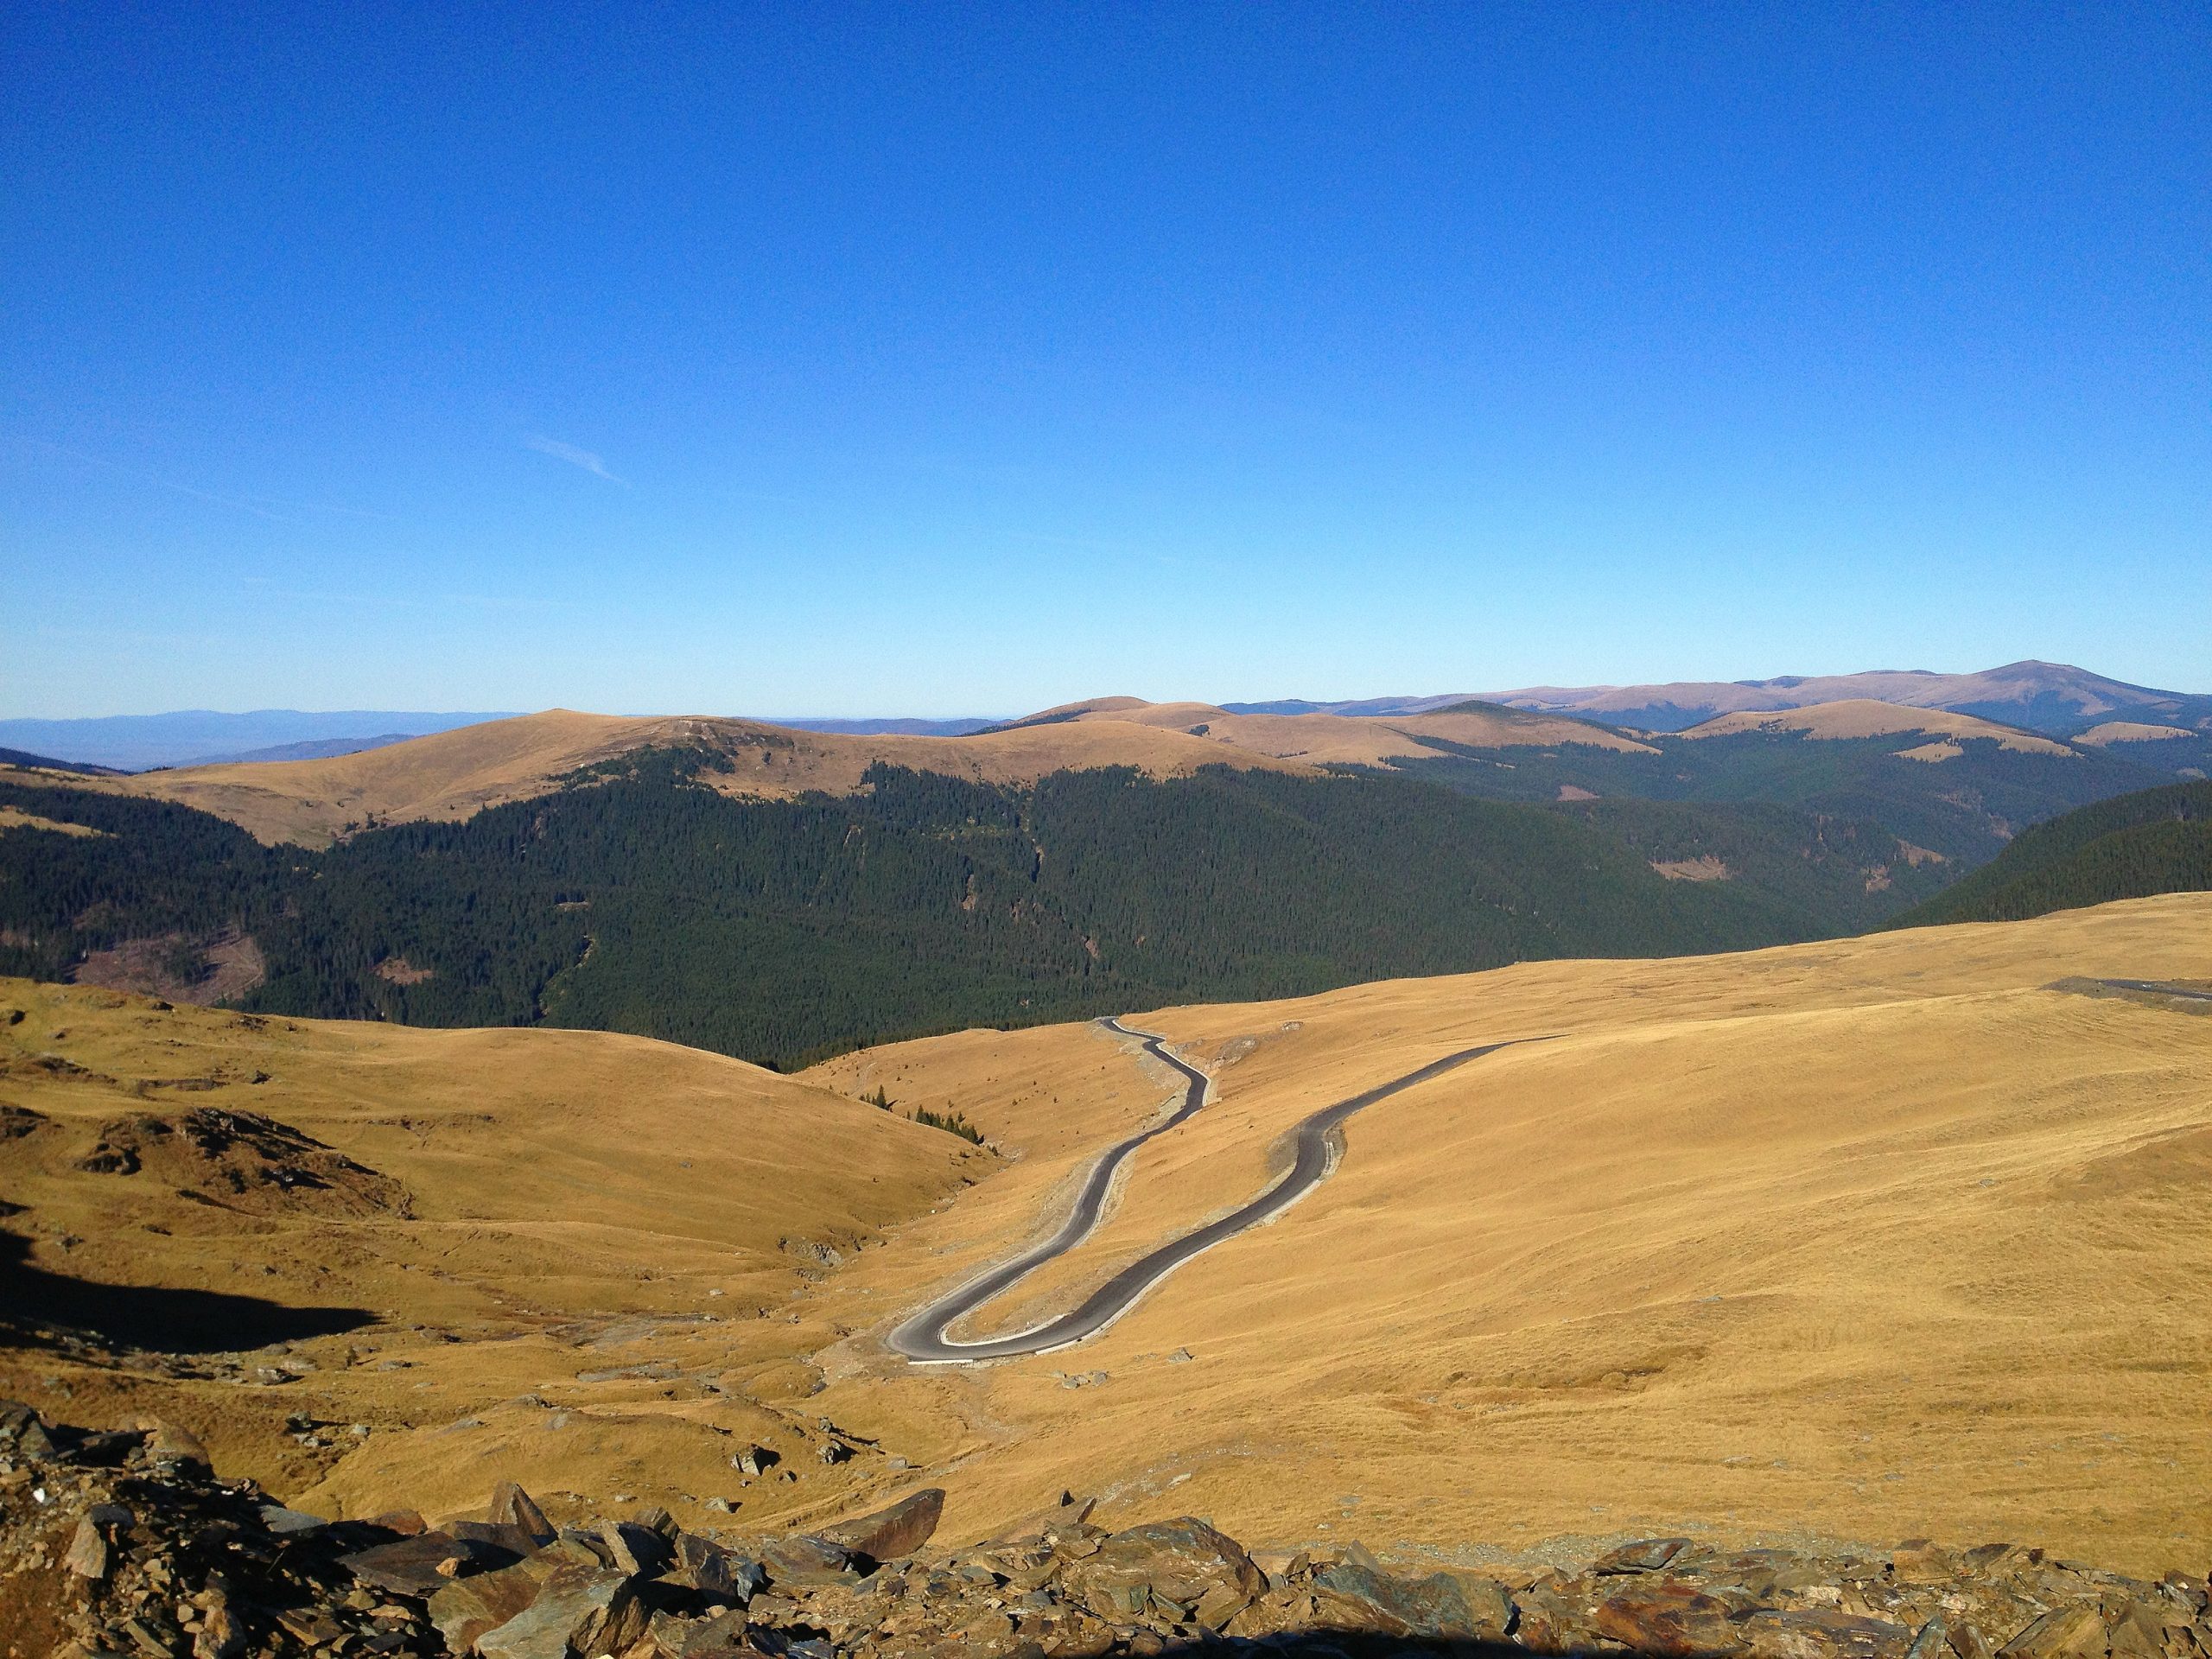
<point x="147" y="1317"/>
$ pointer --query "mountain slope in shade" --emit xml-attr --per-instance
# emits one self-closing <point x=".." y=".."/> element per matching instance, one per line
<point x="2134" y="846"/>
<point x="48" y="763"/>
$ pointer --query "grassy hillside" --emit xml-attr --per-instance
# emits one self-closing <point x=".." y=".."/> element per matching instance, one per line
<point x="1866" y="1238"/>
<point x="2156" y="841"/>
<point x="455" y="774"/>
<point x="458" y="1229"/>
<point x="784" y="931"/>
<point x="647" y="893"/>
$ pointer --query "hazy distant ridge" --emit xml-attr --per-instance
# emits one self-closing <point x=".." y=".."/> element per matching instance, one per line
<point x="2055" y="698"/>
<point x="198" y="736"/>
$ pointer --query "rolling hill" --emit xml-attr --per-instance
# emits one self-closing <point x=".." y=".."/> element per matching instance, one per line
<point x="1834" y="1240"/>
<point x="643" y="899"/>
<point x="2053" y="698"/>
<point x="780" y="895"/>
<point x="1955" y="785"/>
<point x="437" y="1222"/>
<point x="1320" y="739"/>
<point x="1477" y="748"/>
<point x="1839" y="1239"/>
<point x="451" y="775"/>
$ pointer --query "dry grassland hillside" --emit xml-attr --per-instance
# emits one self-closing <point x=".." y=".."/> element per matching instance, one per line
<point x="1849" y="1238"/>
<point x="1862" y="718"/>
<point x="1865" y="1239"/>
<point x="1877" y="720"/>
<point x="453" y="774"/>
<point x="2132" y="731"/>
<point x="2040" y="692"/>
<point x="1348" y="739"/>
<point x="458" y="1240"/>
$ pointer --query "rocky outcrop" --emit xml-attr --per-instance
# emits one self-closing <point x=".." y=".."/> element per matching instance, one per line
<point x="129" y="1545"/>
<point x="249" y="1161"/>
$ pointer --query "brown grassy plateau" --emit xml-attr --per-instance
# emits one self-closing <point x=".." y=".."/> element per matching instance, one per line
<point x="2130" y="731"/>
<point x="450" y="775"/>
<point x="453" y="774"/>
<point x="1864" y="1239"/>
<point x="1349" y="740"/>
<point x="1863" y="718"/>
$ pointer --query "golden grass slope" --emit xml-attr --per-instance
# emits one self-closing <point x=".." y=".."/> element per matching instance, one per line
<point x="15" y="818"/>
<point x="2130" y="731"/>
<point x="1866" y="1239"/>
<point x="1350" y="740"/>
<point x="450" y="775"/>
<point x="1862" y="718"/>
<point x="1870" y="1238"/>
<point x="532" y="1205"/>
<point x="2022" y="682"/>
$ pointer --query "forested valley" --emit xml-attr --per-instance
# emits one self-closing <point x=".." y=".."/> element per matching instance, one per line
<point x="636" y="899"/>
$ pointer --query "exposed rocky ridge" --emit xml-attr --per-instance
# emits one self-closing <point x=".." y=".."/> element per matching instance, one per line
<point x="125" y="1545"/>
<point x="248" y="1160"/>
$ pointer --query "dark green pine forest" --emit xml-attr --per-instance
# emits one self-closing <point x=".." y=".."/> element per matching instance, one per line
<point x="2155" y="841"/>
<point x="635" y="899"/>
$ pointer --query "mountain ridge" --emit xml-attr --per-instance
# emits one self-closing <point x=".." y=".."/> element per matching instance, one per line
<point x="2056" y="699"/>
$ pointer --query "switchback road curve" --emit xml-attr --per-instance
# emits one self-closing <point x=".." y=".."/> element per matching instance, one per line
<point x="921" y="1337"/>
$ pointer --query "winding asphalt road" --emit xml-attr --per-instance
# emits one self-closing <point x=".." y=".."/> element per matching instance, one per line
<point x="921" y="1336"/>
<point x="2158" y="987"/>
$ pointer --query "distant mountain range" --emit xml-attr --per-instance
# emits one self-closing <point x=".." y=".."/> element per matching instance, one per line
<point x="317" y="748"/>
<point x="887" y="727"/>
<point x="2050" y="697"/>
<point x="2054" y="698"/>
<point x="207" y="737"/>
<point x="781" y="893"/>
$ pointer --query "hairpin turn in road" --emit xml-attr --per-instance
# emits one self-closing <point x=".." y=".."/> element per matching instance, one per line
<point x="921" y="1337"/>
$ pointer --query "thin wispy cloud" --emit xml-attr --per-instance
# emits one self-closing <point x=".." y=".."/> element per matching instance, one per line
<point x="277" y="511"/>
<point x="573" y="456"/>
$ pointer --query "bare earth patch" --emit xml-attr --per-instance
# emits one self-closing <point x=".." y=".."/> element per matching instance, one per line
<point x="1708" y="868"/>
<point x="397" y="970"/>
<point x="173" y="966"/>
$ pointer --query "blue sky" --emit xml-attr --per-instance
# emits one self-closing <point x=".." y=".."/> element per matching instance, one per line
<point x="865" y="359"/>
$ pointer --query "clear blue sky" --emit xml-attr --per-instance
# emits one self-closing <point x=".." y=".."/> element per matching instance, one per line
<point x="845" y="359"/>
